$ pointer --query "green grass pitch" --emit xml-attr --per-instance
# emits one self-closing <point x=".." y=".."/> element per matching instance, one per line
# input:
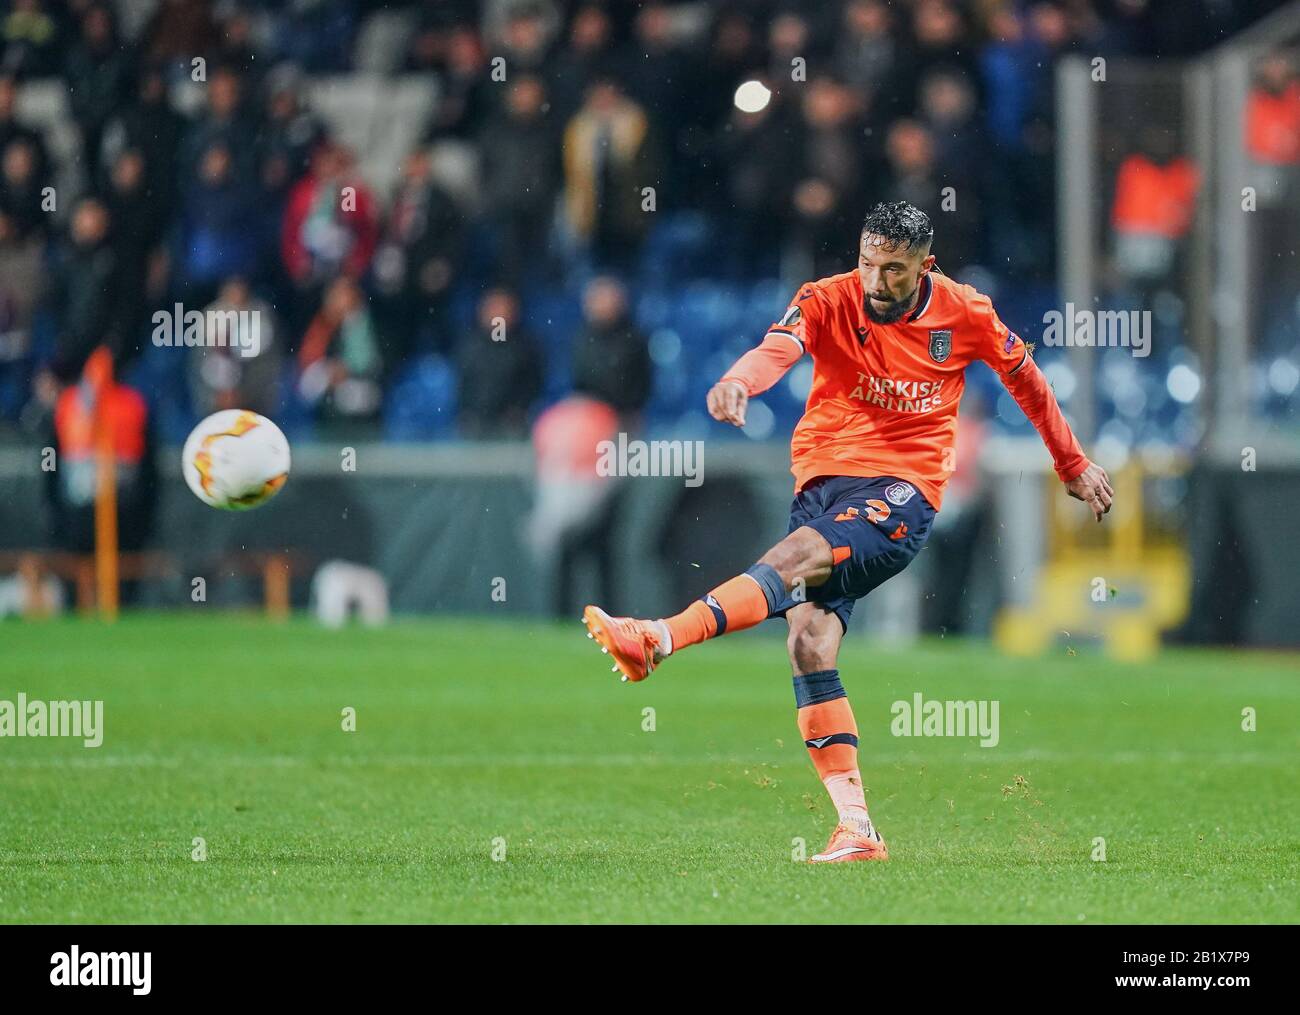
<point x="471" y="732"/>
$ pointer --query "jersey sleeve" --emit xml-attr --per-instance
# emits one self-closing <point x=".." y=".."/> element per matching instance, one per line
<point x="785" y="342"/>
<point x="802" y="320"/>
<point x="1008" y="356"/>
<point x="998" y="346"/>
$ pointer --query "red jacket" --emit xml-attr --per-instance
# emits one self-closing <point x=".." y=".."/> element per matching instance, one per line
<point x="362" y="224"/>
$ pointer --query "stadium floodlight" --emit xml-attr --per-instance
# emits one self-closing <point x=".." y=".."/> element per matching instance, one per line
<point x="752" y="97"/>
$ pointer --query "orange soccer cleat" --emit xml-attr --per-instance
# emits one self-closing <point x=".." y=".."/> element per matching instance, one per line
<point x="848" y="843"/>
<point x="631" y="643"/>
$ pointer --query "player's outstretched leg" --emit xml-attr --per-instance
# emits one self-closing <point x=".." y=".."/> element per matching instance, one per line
<point x="830" y="732"/>
<point x="638" y="646"/>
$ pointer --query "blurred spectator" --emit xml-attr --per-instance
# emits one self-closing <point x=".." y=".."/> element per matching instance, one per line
<point x="789" y="38"/>
<point x="915" y="175"/>
<point x="958" y="145"/>
<point x="1124" y="30"/>
<point x="521" y="178"/>
<point x="462" y="90"/>
<point x="1155" y="200"/>
<point x="609" y="158"/>
<point x="427" y="51"/>
<point x="574" y="509"/>
<point x="948" y="110"/>
<point x="1273" y="113"/>
<point x="318" y="35"/>
<point x="955" y="540"/>
<point x="180" y="30"/>
<point x="227" y="376"/>
<point x="138" y="226"/>
<point x="148" y="124"/>
<point x="759" y="167"/>
<point x="757" y="164"/>
<point x="588" y="50"/>
<point x="500" y="370"/>
<point x="12" y="130"/>
<point x="330" y="223"/>
<point x="20" y="186"/>
<point x="867" y="50"/>
<point x="417" y="261"/>
<point x="339" y="361"/>
<point x="80" y="297"/>
<point x="733" y="54"/>
<point x="236" y="47"/>
<point x="83" y="410"/>
<point x="827" y="200"/>
<point x="910" y="151"/>
<point x="665" y="75"/>
<point x="940" y="38"/>
<point x="29" y="35"/>
<point x="224" y="122"/>
<point x="611" y="358"/>
<point x="1017" y="71"/>
<point x="288" y="135"/>
<point x="98" y="70"/>
<point x="217" y="231"/>
<point x="22" y="279"/>
<point x="1273" y="144"/>
<point x="522" y="32"/>
<point x="828" y="138"/>
<point x="656" y="72"/>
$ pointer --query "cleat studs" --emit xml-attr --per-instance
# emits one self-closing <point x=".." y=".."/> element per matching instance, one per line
<point x="604" y="650"/>
<point x="590" y="635"/>
<point x="625" y="678"/>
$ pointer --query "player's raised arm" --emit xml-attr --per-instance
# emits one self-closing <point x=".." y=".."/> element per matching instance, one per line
<point x="1084" y="480"/>
<point x="763" y="366"/>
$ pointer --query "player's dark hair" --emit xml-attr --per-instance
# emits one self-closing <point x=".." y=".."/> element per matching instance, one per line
<point x="900" y="224"/>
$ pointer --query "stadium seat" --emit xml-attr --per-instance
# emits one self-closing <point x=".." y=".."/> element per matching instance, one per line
<point x="422" y="402"/>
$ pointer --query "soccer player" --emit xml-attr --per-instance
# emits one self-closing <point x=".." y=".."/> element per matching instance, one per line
<point x="890" y="343"/>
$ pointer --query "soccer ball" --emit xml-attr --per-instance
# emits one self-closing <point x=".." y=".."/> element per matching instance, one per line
<point x="235" y="460"/>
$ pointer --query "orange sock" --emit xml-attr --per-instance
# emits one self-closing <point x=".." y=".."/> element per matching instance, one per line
<point x="736" y="604"/>
<point x="831" y="735"/>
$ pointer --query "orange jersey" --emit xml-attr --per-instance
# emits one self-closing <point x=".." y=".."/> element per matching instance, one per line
<point x="884" y="397"/>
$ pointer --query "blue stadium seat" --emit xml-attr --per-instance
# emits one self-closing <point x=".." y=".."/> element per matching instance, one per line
<point x="422" y="402"/>
<point x="679" y="249"/>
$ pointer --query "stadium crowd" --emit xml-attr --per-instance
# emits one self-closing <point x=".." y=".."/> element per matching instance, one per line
<point x="601" y="135"/>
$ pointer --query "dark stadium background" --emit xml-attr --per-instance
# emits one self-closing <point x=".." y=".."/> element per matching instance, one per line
<point x="503" y="156"/>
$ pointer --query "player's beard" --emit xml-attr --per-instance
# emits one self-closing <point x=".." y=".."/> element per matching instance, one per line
<point x="895" y="310"/>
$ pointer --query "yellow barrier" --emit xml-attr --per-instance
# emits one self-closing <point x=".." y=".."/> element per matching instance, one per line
<point x="1125" y="591"/>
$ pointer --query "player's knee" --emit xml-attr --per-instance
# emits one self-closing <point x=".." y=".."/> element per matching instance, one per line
<point x="802" y="554"/>
<point x="812" y="646"/>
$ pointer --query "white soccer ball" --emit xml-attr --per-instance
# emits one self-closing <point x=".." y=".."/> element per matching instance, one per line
<point x="235" y="460"/>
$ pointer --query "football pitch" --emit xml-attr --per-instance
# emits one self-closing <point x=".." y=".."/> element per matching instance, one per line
<point x="499" y="772"/>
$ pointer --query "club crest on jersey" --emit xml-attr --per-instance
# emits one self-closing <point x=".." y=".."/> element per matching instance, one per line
<point x="900" y="493"/>
<point x="940" y="345"/>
